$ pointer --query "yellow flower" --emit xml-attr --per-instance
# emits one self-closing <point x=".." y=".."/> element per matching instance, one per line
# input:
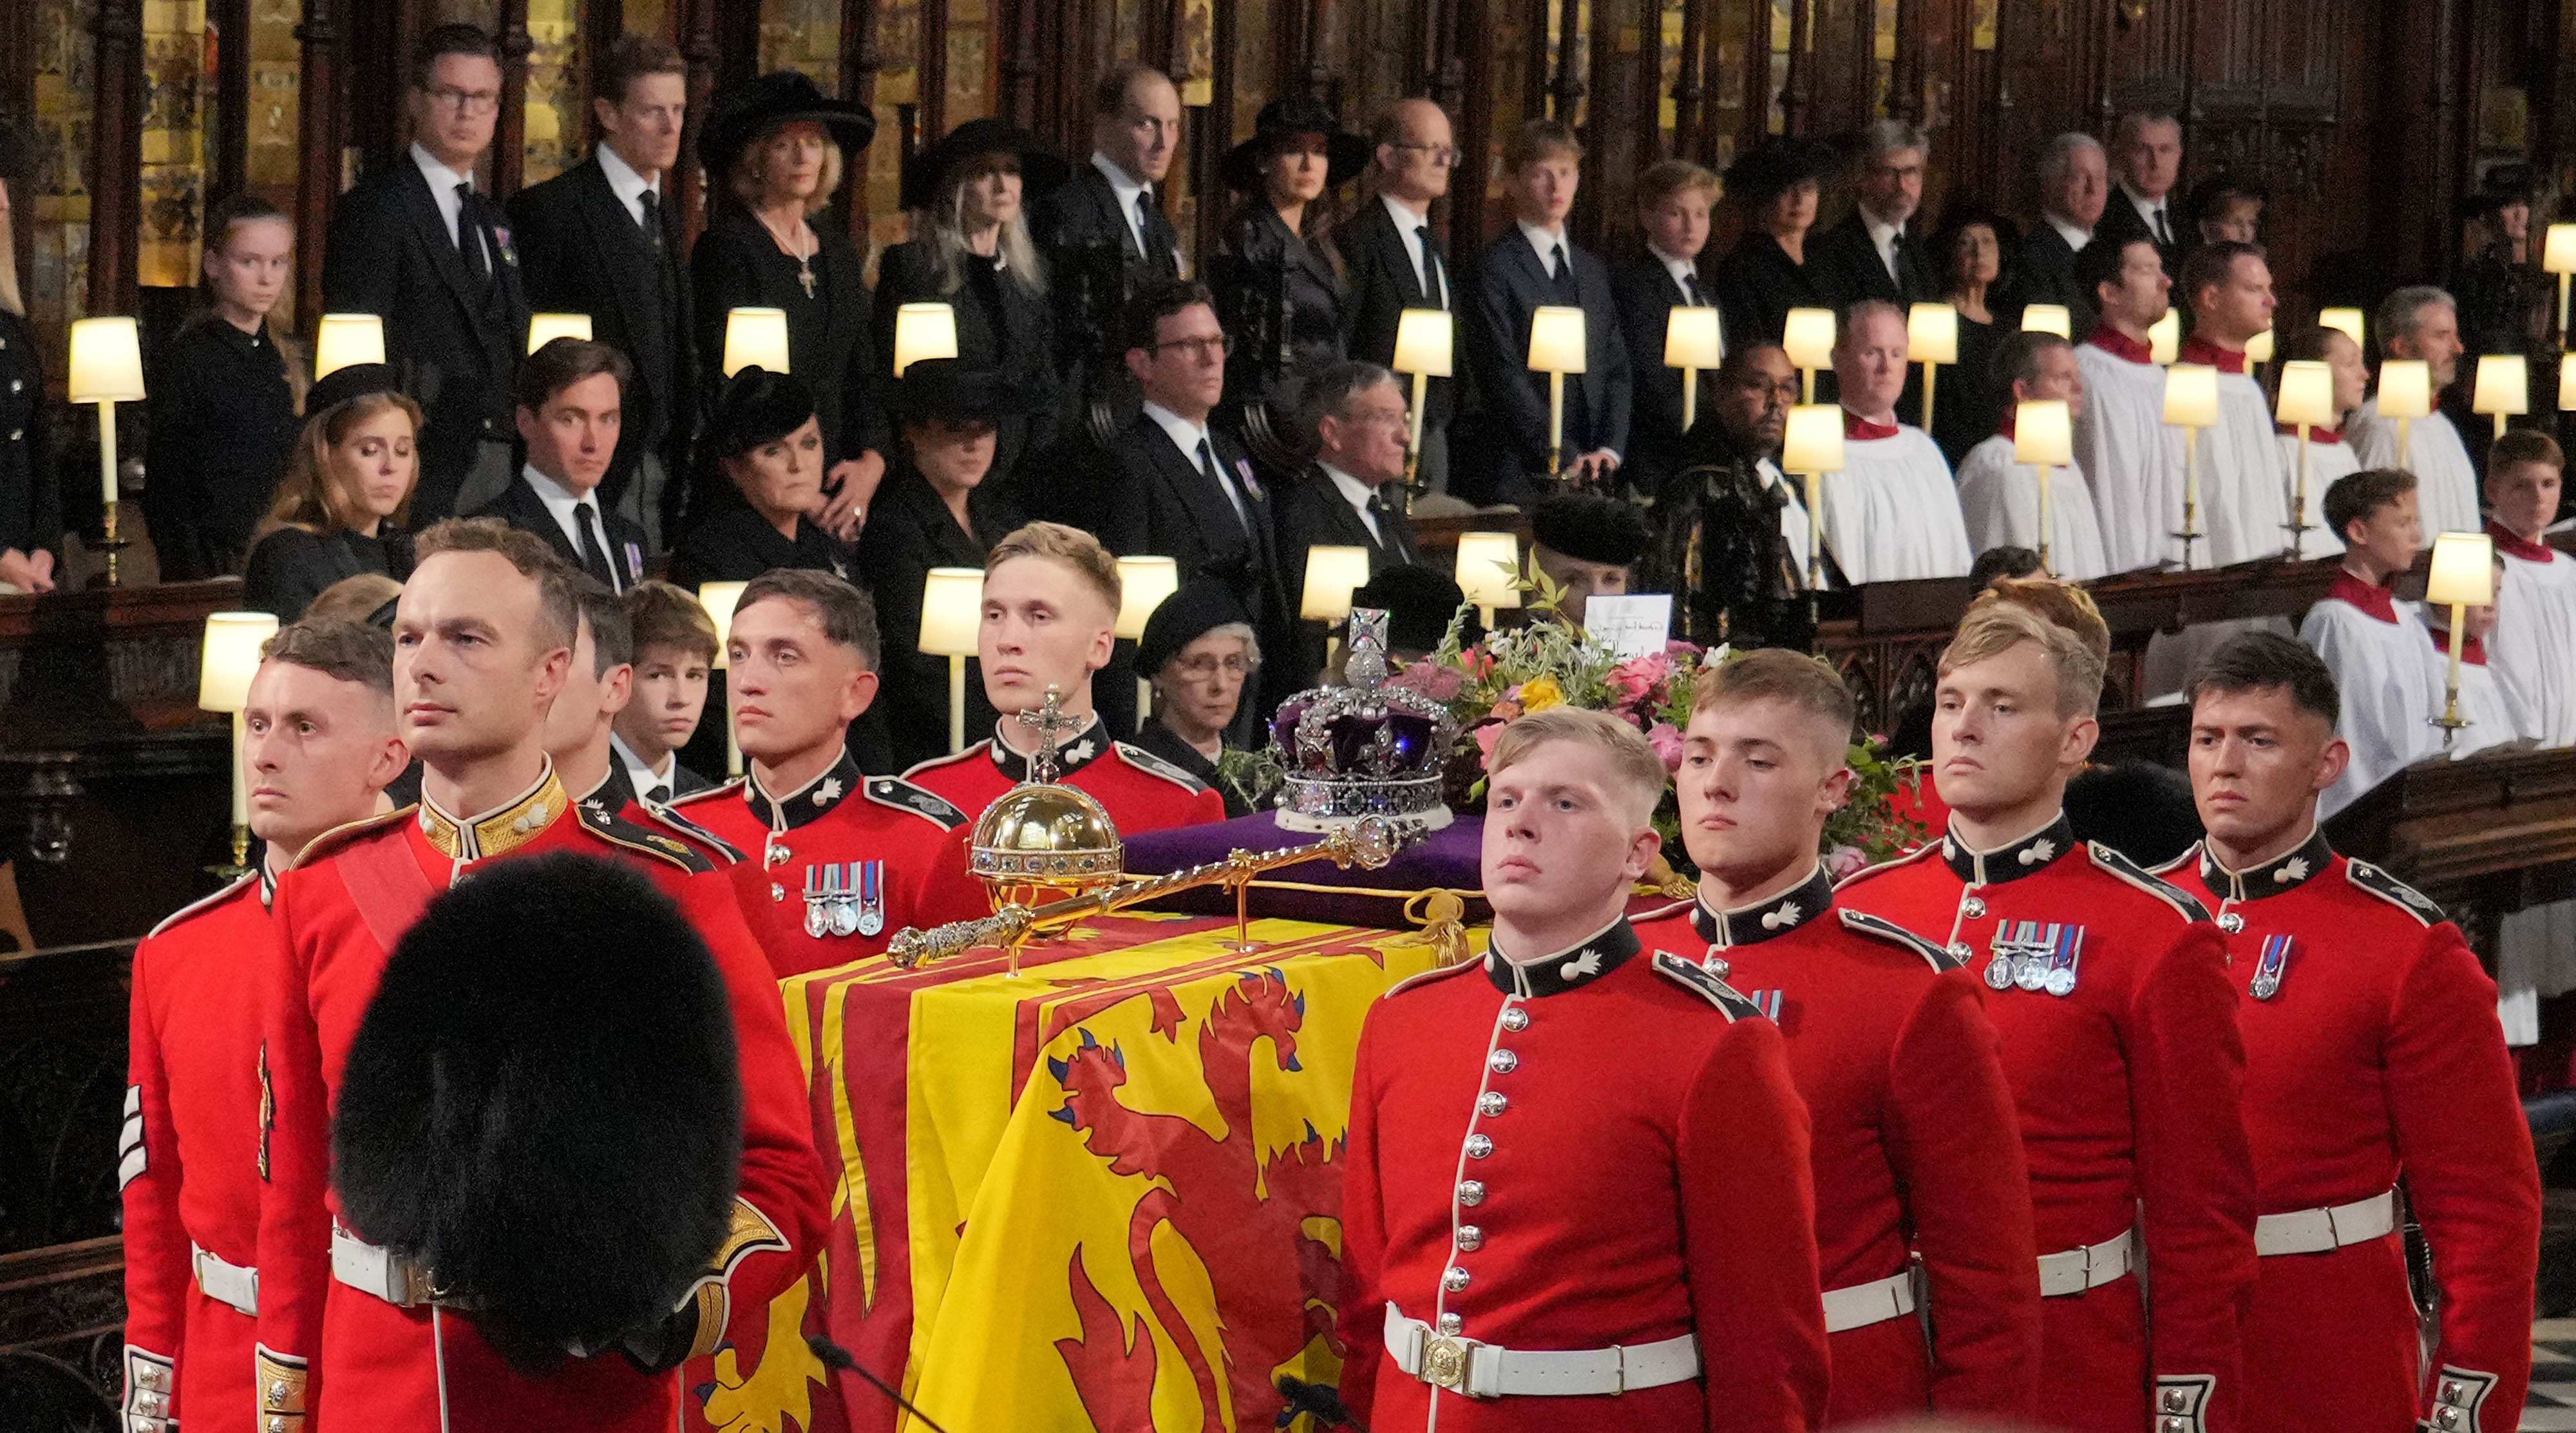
<point x="1540" y="693"/>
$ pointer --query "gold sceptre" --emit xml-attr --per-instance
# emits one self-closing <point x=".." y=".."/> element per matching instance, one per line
<point x="1368" y="844"/>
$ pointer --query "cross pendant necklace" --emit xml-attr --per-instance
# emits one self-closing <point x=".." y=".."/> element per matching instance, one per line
<point x="803" y="256"/>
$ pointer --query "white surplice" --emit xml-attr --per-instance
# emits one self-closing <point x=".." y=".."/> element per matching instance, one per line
<point x="2244" y="495"/>
<point x="1999" y="502"/>
<point x="1892" y="513"/>
<point x="2532" y="653"/>
<point x="2132" y="461"/>
<point x="2326" y="462"/>
<point x="2390" y="679"/>
<point x="2446" y="482"/>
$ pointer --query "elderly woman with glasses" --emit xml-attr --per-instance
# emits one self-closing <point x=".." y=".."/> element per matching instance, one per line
<point x="1199" y="653"/>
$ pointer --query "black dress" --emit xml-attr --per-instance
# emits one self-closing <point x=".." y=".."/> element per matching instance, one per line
<point x="1758" y="283"/>
<point x="736" y="544"/>
<point x="290" y="567"/>
<point x="1172" y="747"/>
<point x="909" y="532"/>
<point x="1000" y="325"/>
<point x="1968" y="401"/>
<point x="31" y="500"/>
<point x="223" y="430"/>
<point x="737" y="264"/>
<point x="1281" y="300"/>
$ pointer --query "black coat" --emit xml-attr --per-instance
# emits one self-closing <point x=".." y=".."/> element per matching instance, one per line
<point x="1968" y="402"/>
<point x="2121" y="223"/>
<point x="737" y="264"/>
<point x="290" y="567"/>
<point x="1310" y="511"/>
<point x="1758" y="283"/>
<point x="520" y="507"/>
<point x="581" y="251"/>
<point x="31" y="500"/>
<point x="909" y="532"/>
<point x="2047" y="276"/>
<point x="457" y="339"/>
<point x="1280" y="298"/>
<point x="1167" y="507"/>
<point x="1000" y="325"/>
<point x="735" y="544"/>
<point x="1167" y="744"/>
<point x="1719" y="550"/>
<point x="1509" y="286"/>
<point x="223" y="429"/>
<point x="1848" y="269"/>
<point x="1381" y="281"/>
<point x="1647" y="294"/>
<point x="1093" y="264"/>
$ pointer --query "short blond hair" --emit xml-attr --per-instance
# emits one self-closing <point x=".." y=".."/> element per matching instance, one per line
<point x="1994" y="628"/>
<point x="746" y="180"/>
<point x="1806" y="684"/>
<point x="1667" y="177"/>
<point x="2068" y="606"/>
<point x="1632" y="761"/>
<point x="1069" y="546"/>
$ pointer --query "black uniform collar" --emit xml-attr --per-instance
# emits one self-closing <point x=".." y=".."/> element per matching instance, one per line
<point x="614" y="790"/>
<point x="1579" y="965"/>
<point x="2026" y="857"/>
<point x="2295" y="868"/>
<point x="1076" y="752"/>
<point x="807" y="802"/>
<point x="1765" y="920"/>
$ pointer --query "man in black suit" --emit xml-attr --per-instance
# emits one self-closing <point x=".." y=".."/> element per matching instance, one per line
<point x="1874" y="252"/>
<point x="1393" y="261"/>
<point x="2074" y="180"/>
<point x="1352" y="494"/>
<point x="2147" y="149"/>
<point x="1649" y="282"/>
<point x="1530" y="264"/>
<point x="1104" y="233"/>
<point x="603" y="239"/>
<point x="417" y="244"/>
<point x="570" y="411"/>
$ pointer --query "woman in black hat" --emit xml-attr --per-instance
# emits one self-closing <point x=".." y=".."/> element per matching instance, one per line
<point x="1200" y="654"/>
<point x="341" y="507"/>
<point x="1766" y="274"/>
<point x="969" y="196"/>
<point x="2504" y="303"/>
<point x="938" y="508"/>
<point x="31" y="507"/>
<point x="774" y="148"/>
<point x="1278" y="283"/>
<point x="766" y="438"/>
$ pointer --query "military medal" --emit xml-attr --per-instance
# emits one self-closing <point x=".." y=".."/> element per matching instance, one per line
<point x="1999" y="971"/>
<point x="817" y="920"/>
<point x="2268" y="971"/>
<point x="2065" y="947"/>
<point x="871" y="896"/>
<point x="2033" y="957"/>
<point x="845" y="903"/>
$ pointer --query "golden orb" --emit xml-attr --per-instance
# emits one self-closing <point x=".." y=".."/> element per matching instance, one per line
<point x="1041" y="842"/>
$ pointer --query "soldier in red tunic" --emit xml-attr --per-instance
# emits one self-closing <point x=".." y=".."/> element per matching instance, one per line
<point x="318" y="744"/>
<point x="2110" y="992"/>
<point x="352" y="1336"/>
<point x="1050" y="618"/>
<point x="1577" y="1194"/>
<point x="1916" y="1146"/>
<point x="837" y="860"/>
<point x="2372" y="1056"/>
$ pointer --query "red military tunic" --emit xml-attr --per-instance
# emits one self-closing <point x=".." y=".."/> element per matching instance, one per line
<point x="1915" y="1149"/>
<point x="1599" y="1150"/>
<point x="356" y="1363"/>
<point x="188" y="1161"/>
<point x="1141" y="791"/>
<point x="2372" y="1055"/>
<point x="2125" y="1067"/>
<point x="841" y="864"/>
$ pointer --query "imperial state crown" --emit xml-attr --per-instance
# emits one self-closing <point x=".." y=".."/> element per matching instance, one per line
<point x="1365" y="749"/>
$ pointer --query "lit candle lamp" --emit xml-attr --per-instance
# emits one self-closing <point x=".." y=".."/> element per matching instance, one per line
<point x="1143" y="583"/>
<point x="2504" y="388"/>
<point x="1808" y="338"/>
<point x="2044" y="438"/>
<point x="719" y="599"/>
<point x="106" y="369"/>
<point x="755" y="338"/>
<point x="952" y="613"/>
<point x="545" y="328"/>
<point x="2306" y="402"/>
<point x="2048" y="318"/>
<point x="2346" y="321"/>
<point x="227" y="662"/>
<point x="1425" y="347"/>
<point x="345" y="339"/>
<point x="2164" y="338"/>
<point x="2405" y="394"/>
<point x="1556" y="348"/>
<point x="1489" y="572"/>
<point x="1332" y="574"/>
<point x="922" y="331"/>
<point x="2258" y="351"/>
<point x="2463" y="577"/>
<point x="1811" y="448"/>
<point x="1931" y="339"/>
<point x="2558" y="256"/>
<point x="1693" y="340"/>
<point x="2191" y="404"/>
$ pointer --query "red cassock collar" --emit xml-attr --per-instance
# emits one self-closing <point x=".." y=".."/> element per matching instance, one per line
<point x="2201" y="350"/>
<point x="1857" y="429"/>
<point x="2119" y="345"/>
<point x="2512" y="546"/>
<point x="2472" y="651"/>
<point x="2369" y="597"/>
<point x="2315" y="435"/>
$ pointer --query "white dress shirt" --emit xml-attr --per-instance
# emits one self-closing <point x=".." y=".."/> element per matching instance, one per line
<point x="2076" y="238"/>
<point x="1883" y="237"/>
<point x="1544" y="243"/>
<point x="1406" y="223"/>
<point x="561" y="503"/>
<point x="1126" y="187"/>
<point x="1187" y="436"/>
<point x="442" y="192"/>
<point x="642" y="777"/>
<point x="1358" y="494"/>
<point x="1684" y="272"/>
<point x="629" y="186"/>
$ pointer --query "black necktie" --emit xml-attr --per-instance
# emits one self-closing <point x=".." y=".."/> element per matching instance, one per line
<point x="1556" y="266"/>
<point x="659" y="794"/>
<point x="2164" y="236"/>
<point x="1430" y="269"/>
<point x="469" y="234"/>
<point x="594" y="547"/>
<point x="1145" y="222"/>
<point x="1225" y="486"/>
<point x="1690" y="289"/>
<point x="653" y="221"/>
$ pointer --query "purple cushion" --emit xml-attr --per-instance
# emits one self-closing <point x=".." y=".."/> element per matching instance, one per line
<point x="1445" y="859"/>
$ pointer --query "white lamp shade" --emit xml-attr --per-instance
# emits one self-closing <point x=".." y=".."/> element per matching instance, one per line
<point x="1331" y="574"/>
<point x="1807" y="336"/>
<point x="1693" y="338"/>
<point x="2048" y="318"/>
<point x="231" y="658"/>
<point x="2043" y="433"/>
<point x="2405" y="388"/>
<point x="952" y="611"/>
<point x="1425" y="343"/>
<point x="107" y="361"/>
<point x="755" y="337"/>
<point x="2348" y="320"/>
<point x="720" y="598"/>
<point x="2504" y="384"/>
<point x="1814" y="440"/>
<point x="1932" y="334"/>
<point x="2258" y="349"/>
<point x="2463" y="570"/>
<point x="2191" y="395"/>
<point x="2164" y="338"/>
<point x="1489" y="568"/>
<point x="1556" y="339"/>
<point x="545" y="328"/>
<point x="1143" y="583"/>
<point x="2566" y="382"/>
<point x="2558" y="250"/>
<point x="347" y="338"/>
<point x="923" y="331"/>
<point x="2307" y="393"/>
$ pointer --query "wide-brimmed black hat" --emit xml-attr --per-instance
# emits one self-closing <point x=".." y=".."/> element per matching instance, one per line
<point x="1345" y="153"/>
<point x="354" y="380"/>
<point x="1776" y="164"/>
<point x="739" y="113"/>
<point x="757" y="407"/>
<point x="1590" y="528"/>
<point x="2503" y="185"/>
<point x="1042" y="165"/>
<point x="1197" y="609"/>
<point x="957" y="390"/>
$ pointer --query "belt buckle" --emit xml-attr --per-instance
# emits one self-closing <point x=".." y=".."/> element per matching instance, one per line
<point x="1444" y="1362"/>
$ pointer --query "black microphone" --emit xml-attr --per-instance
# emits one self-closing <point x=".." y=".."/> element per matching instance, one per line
<point x="1323" y="1403"/>
<point x="836" y="1357"/>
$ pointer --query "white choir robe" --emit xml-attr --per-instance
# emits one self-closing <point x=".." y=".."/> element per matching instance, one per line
<point x="2132" y="461"/>
<point x="1999" y="500"/>
<point x="1892" y="513"/>
<point x="2244" y="494"/>
<point x="2327" y="461"/>
<point x="2494" y="718"/>
<point x="2532" y="653"/>
<point x="1793" y="513"/>
<point x="2392" y="685"/>
<point x="2446" y="482"/>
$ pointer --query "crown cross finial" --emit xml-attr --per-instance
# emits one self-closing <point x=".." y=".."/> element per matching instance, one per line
<point x="1047" y="720"/>
<point x="1366" y="667"/>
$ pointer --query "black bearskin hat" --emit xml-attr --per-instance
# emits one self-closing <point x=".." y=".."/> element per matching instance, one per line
<point x="544" y="1112"/>
<point x="2140" y="809"/>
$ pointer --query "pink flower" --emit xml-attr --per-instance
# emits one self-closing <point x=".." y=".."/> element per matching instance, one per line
<point x="1667" y="743"/>
<point x="1486" y="734"/>
<point x="1843" y="862"/>
<point x="1435" y="680"/>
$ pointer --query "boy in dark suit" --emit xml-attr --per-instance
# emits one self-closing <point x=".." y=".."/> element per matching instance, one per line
<point x="569" y="415"/>
<point x="1673" y="199"/>
<point x="416" y="243"/>
<point x="1393" y="260"/>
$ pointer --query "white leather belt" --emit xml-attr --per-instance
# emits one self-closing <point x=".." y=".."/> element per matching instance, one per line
<point x="381" y="1272"/>
<point x="226" y="1283"/>
<point x="1861" y="1305"/>
<point x="2077" y="1270"/>
<point x="1482" y="1370"/>
<point x="2315" y="1231"/>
